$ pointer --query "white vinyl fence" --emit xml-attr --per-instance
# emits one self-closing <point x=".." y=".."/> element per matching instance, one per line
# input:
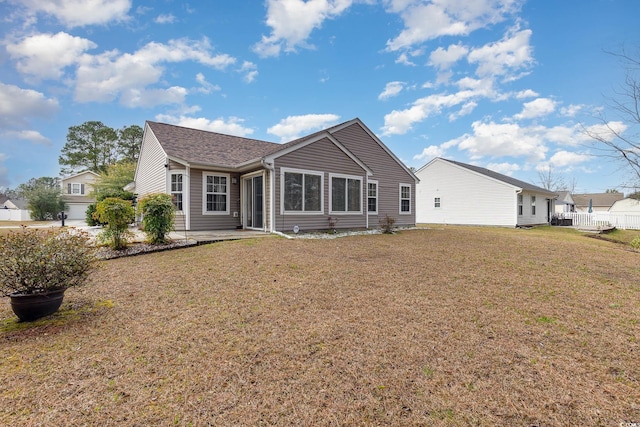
<point x="14" y="215"/>
<point x="603" y="219"/>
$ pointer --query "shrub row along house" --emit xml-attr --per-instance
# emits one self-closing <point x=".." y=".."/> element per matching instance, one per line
<point x="342" y="177"/>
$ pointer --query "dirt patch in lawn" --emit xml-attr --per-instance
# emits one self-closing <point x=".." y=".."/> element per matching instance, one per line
<point x="457" y="326"/>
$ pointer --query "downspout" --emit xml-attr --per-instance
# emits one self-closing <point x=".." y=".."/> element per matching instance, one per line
<point x="272" y="201"/>
<point x="517" y="213"/>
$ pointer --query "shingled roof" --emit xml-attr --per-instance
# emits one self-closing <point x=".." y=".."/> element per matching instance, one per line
<point x="209" y="148"/>
<point x="504" y="178"/>
<point x="597" y="199"/>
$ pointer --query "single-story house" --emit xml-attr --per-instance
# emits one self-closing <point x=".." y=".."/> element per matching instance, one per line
<point x="599" y="202"/>
<point x="626" y="206"/>
<point x="565" y="203"/>
<point x="14" y="209"/>
<point x="76" y="193"/>
<point x="340" y="177"/>
<point x="451" y="192"/>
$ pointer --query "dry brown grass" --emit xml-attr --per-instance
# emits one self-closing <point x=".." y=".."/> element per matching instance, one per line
<point x="452" y="327"/>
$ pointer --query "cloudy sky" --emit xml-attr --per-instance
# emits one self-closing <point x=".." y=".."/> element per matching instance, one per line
<point x="504" y="84"/>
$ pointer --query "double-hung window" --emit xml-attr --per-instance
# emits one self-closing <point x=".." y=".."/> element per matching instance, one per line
<point x="177" y="180"/>
<point x="301" y="191"/>
<point x="346" y="194"/>
<point x="405" y="199"/>
<point x="372" y="197"/>
<point x="520" y="204"/>
<point x="533" y="205"/>
<point x="215" y="193"/>
<point x="436" y="202"/>
<point x="75" y="188"/>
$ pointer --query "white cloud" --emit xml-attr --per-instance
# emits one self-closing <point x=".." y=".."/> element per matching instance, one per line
<point x="250" y="71"/>
<point x="501" y="58"/>
<point x="27" y="135"/>
<point x="571" y="111"/>
<point x="78" y="13"/>
<point x="150" y="97"/>
<point x="465" y="110"/>
<point x="425" y="21"/>
<point x="292" y="22"/>
<point x="429" y="153"/>
<point x="563" y="159"/>
<point x="401" y="121"/>
<point x="391" y="89"/>
<point x="105" y="77"/>
<point x="229" y="126"/>
<point x="536" y="108"/>
<point x="527" y="93"/>
<point x="46" y="55"/>
<point x="18" y="105"/>
<point x="294" y="126"/>
<point x="403" y="58"/>
<point x="498" y="140"/>
<point x="165" y="19"/>
<point x="205" y="86"/>
<point x="445" y="58"/>
<point x="606" y="131"/>
<point x="504" y="168"/>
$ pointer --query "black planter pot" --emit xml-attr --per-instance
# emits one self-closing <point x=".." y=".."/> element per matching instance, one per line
<point x="29" y="307"/>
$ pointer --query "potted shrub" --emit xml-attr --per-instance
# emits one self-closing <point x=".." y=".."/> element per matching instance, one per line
<point x="38" y="265"/>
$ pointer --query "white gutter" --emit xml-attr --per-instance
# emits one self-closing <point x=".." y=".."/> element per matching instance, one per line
<point x="272" y="200"/>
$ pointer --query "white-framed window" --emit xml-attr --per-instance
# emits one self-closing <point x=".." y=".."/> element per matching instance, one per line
<point x="346" y="194"/>
<point x="533" y="205"/>
<point x="302" y="191"/>
<point x="520" y="204"/>
<point x="177" y="189"/>
<point x="372" y="197"/>
<point x="436" y="202"/>
<point x="75" y="188"/>
<point x="215" y="193"/>
<point x="405" y="199"/>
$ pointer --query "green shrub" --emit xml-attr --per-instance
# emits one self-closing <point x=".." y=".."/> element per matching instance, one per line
<point x="158" y="214"/>
<point x="40" y="260"/>
<point x="386" y="224"/>
<point x="116" y="215"/>
<point x="91" y="221"/>
<point x="635" y="243"/>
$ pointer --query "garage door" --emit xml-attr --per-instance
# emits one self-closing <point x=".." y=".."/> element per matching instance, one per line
<point x="77" y="210"/>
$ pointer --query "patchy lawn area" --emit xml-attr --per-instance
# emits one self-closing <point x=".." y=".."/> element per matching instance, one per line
<point x="454" y="326"/>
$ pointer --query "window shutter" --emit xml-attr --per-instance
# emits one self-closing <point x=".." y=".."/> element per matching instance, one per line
<point x="68" y="188"/>
<point x="81" y="188"/>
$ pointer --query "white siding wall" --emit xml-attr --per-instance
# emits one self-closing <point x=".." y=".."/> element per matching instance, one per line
<point x="151" y="175"/>
<point x="540" y="217"/>
<point x="465" y="197"/>
<point x="626" y="207"/>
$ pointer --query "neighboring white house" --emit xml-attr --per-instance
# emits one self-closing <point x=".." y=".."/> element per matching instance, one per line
<point x="451" y="192"/>
<point x="626" y="206"/>
<point x="598" y="202"/>
<point x="13" y="209"/>
<point x="565" y="203"/>
<point x="76" y="191"/>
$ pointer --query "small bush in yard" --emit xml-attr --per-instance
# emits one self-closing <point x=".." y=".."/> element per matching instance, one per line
<point x="116" y="214"/>
<point x="635" y="243"/>
<point x="158" y="213"/>
<point x="387" y="223"/>
<point x="41" y="260"/>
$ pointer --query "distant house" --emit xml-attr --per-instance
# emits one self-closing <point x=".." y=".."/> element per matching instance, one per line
<point x="76" y="190"/>
<point x="451" y="192"/>
<point x="341" y="177"/>
<point x="14" y="209"/>
<point x="626" y="206"/>
<point x="565" y="203"/>
<point x="600" y="202"/>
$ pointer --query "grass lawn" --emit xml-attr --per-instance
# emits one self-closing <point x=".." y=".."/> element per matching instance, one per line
<point x="453" y="326"/>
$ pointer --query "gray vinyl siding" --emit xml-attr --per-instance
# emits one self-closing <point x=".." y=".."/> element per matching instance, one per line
<point x="213" y="222"/>
<point x="386" y="171"/>
<point x="321" y="156"/>
<point x="151" y="175"/>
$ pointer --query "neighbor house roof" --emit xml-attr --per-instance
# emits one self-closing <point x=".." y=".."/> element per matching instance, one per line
<point x="597" y="199"/>
<point x="210" y="148"/>
<point x="504" y="178"/>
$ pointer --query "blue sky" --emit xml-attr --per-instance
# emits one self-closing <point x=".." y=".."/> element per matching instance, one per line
<point x="504" y="84"/>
